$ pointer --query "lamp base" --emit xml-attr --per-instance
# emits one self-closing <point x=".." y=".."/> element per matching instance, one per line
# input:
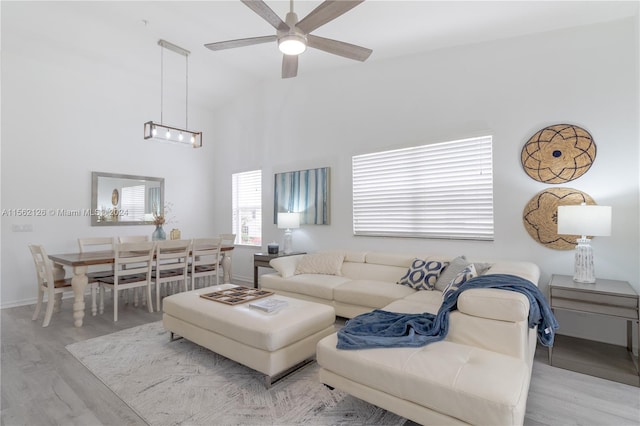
<point x="287" y="246"/>
<point x="584" y="271"/>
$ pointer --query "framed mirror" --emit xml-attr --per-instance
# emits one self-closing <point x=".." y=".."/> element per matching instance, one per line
<point x="118" y="200"/>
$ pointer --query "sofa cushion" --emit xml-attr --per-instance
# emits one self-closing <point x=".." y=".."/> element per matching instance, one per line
<point x="473" y="385"/>
<point x="418" y="302"/>
<point x="320" y="263"/>
<point x="286" y="265"/>
<point x="315" y="285"/>
<point x="463" y="276"/>
<point x="422" y="274"/>
<point x="374" y="294"/>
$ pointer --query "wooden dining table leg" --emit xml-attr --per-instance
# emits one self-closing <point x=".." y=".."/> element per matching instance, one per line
<point x="79" y="284"/>
<point x="226" y="268"/>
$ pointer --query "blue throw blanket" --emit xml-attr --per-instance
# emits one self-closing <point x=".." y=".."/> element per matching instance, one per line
<point x="383" y="329"/>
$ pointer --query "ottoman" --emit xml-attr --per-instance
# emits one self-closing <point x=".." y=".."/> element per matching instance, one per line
<point x="271" y="343"/>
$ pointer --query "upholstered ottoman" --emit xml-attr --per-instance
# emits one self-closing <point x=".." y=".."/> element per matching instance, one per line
<point x="271" y="343"/>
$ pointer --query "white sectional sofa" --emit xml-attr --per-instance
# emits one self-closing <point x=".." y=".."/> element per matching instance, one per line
<point x="479" y="374"/>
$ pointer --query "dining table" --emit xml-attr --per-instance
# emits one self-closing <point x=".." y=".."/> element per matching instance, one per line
<point x="80" y="262"/>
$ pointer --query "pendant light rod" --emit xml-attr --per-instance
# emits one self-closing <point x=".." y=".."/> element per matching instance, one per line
<point x="160" y="131"/>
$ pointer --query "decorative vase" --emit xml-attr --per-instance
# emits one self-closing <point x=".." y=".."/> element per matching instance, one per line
<point x="158" y="234"/>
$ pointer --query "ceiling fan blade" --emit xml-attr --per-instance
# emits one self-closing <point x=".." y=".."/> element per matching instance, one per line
<point x="261" y="8"/>
<point x="327" y="11"/>
<point x="341" y="48"/>
<point x="289" y="66"/>
<point x="230" y="44"/>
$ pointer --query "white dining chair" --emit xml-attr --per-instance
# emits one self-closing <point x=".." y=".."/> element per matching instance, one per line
<point x="171" y="265"/>
<point x="133" y="239"/>
<point x="205" y="260"/>
<point x="132" y="268"/>
<point x="48" y="284"/>
<point x="97" y="244"/>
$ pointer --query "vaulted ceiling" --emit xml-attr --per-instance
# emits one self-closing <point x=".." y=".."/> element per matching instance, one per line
<point x="121" y="31"/>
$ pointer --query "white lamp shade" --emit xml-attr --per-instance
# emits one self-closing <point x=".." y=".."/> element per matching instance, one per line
<point x="288" y="220"/>
<point x="584" y="220"/>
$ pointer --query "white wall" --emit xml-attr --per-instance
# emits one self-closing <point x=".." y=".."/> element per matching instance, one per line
<point x="68" y="111"/>
<point x="586" y="76"/>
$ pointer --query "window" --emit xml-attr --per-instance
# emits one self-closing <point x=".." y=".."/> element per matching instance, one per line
<point x="133" y="202"/>
<point x="442" y="190"/>
<point x="246" y="190"/>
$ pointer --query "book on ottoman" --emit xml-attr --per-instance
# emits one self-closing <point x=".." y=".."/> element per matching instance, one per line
<point x="268" y="305"/>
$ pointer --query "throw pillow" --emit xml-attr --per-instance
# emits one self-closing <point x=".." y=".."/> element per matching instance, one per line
<point x="465" y="275"/>
<point x="455" y="267"/>
<point x="450" y="272"/>
<point x="422" y="274"/>
<point x="321" y="263"/>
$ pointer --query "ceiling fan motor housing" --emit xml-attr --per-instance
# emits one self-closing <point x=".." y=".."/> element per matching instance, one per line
<point x="293" y="41"/>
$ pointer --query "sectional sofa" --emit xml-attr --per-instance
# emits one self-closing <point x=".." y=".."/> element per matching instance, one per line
<point x="479" y="374"/>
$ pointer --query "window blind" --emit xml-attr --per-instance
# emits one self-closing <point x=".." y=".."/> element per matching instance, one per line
<point x="247" y="207"/>
<point x="442" y="190"/>
<point x="133" y="202"/>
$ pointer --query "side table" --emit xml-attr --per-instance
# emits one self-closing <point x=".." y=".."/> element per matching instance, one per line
<point x="261" y="260"/>
<point x="611" y="298"/>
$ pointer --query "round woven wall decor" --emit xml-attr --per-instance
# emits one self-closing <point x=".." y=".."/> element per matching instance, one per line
<point x="558" y="154"/>
<point x="540" y="216"/>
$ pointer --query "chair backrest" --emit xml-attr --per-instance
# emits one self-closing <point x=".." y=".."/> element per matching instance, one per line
<point x="205" y="251"/>
<point x="228" y="239"/>
<point x="44" y="268"/>
<point x="172" y="255"/>
<point x="133" y="238"/>
<point x="95" y="243"/>
<point x="133" y="259"/>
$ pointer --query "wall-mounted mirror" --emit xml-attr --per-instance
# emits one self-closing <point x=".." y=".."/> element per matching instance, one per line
<point x="125" y="199"/>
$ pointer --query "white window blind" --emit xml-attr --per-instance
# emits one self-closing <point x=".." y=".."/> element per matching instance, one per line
<point x="247" y="207"/>
<point x="133" y="202"/>
<point x="442" y="190"/>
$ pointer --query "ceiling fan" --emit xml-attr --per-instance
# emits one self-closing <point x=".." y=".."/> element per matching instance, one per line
<point x="294" y="36"/>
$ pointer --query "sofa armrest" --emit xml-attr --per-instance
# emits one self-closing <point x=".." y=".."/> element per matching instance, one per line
<point x="286" y="265"/>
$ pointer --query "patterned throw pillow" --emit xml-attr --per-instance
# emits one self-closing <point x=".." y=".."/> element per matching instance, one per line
<point x="465" y="275"/>
<point x="422" y="274"/>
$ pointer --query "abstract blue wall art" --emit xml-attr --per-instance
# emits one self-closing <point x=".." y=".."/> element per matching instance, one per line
<point x="305" y="192"/>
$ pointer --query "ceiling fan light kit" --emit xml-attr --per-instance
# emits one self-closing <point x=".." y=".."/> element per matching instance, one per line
<point x="294" y="36"/>
<point x="160" y="131"/>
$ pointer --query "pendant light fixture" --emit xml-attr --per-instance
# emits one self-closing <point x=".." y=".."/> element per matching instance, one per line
<point x="161" y="131"/>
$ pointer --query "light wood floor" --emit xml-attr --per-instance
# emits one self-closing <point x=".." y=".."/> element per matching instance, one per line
<point x="42" y="384"/>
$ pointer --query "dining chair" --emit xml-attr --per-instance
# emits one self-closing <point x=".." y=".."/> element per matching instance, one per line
<point x="133" y="263"/>
<point x="205" y="260"/>
<point x="133" y="239"/>
<point x="48" y="283"/>
<point x="97" y="244"/>
<point x="171" y="265"/>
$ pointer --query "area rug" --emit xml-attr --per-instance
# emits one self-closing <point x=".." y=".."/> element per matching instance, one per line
<point x="180" y="383"/>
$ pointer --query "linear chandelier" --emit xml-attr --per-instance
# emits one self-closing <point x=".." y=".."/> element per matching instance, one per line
<point x="160" y="131"/>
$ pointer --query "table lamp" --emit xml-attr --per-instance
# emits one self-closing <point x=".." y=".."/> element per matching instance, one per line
<point x="288" y="221"/>
<point x="584" y="220"/>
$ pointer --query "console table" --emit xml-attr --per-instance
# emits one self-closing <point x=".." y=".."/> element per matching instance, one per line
<point x="611" y="298"/>
<point x="261" y="260"/>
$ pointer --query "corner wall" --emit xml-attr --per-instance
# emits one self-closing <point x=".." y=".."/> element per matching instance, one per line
<point x="510" y="89"/>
